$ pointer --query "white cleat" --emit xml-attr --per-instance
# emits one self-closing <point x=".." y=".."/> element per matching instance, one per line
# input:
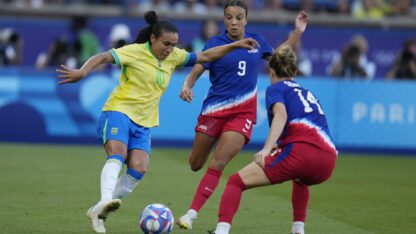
<point x="298" y="228"/>
<point x="98" y="213"/>
<point x="185" y="222"/>
<point x="96" y="223"/>
<point x="104" y="208"/>
<point x="297" y="232"/>
<point x="222" y="228"/>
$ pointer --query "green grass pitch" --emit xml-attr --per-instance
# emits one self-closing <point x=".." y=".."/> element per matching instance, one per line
<point x="48" y="189"/>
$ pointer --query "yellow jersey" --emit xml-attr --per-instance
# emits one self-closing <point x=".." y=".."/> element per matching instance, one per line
<point x="143" y="80"/>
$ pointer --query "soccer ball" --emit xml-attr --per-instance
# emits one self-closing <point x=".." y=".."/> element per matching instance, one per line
<point x="155" y="219"/>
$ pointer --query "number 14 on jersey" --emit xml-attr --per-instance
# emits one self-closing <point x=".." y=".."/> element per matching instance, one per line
<point x="310" y="99"/>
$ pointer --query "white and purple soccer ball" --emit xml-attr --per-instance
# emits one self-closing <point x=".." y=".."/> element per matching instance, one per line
<point x="156" y="219"/>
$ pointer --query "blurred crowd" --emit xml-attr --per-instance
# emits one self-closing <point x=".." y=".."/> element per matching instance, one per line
<point x="72" y="50"/>
<point x="351" y="62"/>
<point x="10" y="47"/>
<point x="375" y="9"/>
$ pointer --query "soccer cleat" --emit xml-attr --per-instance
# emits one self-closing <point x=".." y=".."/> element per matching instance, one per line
<point x="297" y="232"/>
<point x="98" y="213"/>
<point x="105" y="207"/>
<point x="96" y="223"/>
<point x="298" y="228"/>
<point x="222" y="228"/>
<point x="185" y="222"/>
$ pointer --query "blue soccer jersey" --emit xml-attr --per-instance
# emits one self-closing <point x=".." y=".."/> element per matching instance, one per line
<point x="306" y="121"/>
<point x="234" y="78"/>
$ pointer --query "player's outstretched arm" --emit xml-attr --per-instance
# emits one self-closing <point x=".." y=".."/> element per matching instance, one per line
<point x="300" y="25"/>
<point x="276" y="129"/>
<point x="186" y="93"/>
<point x="217" y="52"/>
<point x="71" y="75"/>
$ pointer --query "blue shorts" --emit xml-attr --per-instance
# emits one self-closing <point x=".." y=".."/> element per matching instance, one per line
<point x="114" y="125"/>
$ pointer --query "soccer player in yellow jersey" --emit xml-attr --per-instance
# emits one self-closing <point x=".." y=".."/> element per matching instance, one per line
<point x="133" y="106"/>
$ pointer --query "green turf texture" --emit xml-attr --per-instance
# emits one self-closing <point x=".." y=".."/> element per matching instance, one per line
<point x="48" y="189"/>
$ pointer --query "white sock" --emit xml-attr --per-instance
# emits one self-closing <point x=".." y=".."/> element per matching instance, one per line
<point x="109" y="176"/>
<point x="298" y="227"/>
<point x="192" y="214"/>
<point x="223" y="228"/>
<point x="124" y="186"/>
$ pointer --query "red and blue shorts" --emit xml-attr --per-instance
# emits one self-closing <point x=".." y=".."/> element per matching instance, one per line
<point x="215" y="126"/>
<point x="303" y="162"/>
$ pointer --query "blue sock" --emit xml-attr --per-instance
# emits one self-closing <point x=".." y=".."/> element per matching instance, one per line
<point x="136" y="175"/>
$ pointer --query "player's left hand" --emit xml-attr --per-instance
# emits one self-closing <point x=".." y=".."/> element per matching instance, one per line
<point x="301" y="21"/>
<point x="259" y="156"/>
<point x="186" y="93"/>
<point x="248" y="43"/>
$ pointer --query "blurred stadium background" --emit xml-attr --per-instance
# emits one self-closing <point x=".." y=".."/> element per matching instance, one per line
<point x="373" y="115"/>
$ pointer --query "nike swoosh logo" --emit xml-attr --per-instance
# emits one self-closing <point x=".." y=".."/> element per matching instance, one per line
<point x="206" y="188"/>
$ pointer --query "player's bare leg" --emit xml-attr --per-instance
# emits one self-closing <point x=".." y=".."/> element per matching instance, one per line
<point x="229" y="145"/>
<point x="201" y="149"/>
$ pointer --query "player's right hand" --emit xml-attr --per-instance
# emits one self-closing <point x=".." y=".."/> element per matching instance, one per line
<point x="301" y="21"/>
<point x="187" y="94"/>
<point x="248" y="43"/>
<point x="70" y="75"/>
<point x="259" y="156"/>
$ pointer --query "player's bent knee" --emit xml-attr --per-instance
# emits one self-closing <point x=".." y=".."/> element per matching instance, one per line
<point x="116" y="151"/>
<point x="195" y="163"/>
<point x="195" y="167"/>
<point x="235" y="180"/>
<point x="140" y="168"/>
<point x="115" y="147"/>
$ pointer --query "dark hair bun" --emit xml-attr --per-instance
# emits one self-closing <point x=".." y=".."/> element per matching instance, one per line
<point x="151" y="17"/>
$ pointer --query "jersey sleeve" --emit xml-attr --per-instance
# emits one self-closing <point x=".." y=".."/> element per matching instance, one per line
<point x="274" y="94"/>
<point x="184" y="58"/>
<point x="124" y="55"/>
<point x="266" y="49"/>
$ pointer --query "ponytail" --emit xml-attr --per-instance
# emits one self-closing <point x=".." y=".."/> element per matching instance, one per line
<point x="283" y="62"/>
<point x="145" y="33"/>
<point x="155" y="27"/>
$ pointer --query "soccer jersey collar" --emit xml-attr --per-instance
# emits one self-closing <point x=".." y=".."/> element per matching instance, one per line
<point x="225" y="37"/>
<point x="150" y="50"/>
<point x="286" y="80"/>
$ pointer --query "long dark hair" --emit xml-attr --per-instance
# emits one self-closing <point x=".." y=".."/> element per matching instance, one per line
<point x="239" y="3"/>
<point x="155" y="27"/>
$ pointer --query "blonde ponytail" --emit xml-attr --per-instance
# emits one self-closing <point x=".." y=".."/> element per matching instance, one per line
<point x="283" y="62"/>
